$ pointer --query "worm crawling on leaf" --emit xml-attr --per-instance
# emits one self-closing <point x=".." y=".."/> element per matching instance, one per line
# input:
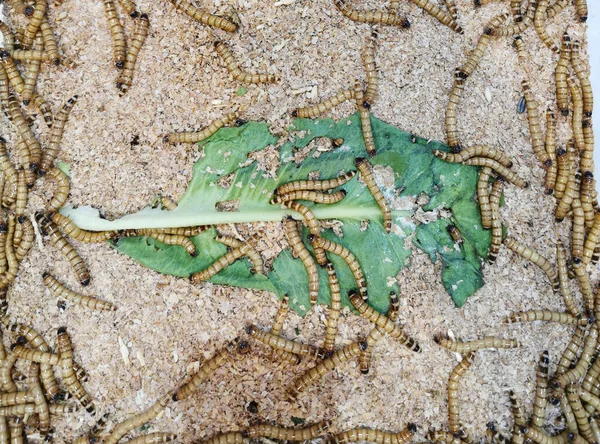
<point x="365" y="169"/>
<point x="255" y="258"/>
<point x="213" y="127"/>
<point x="68" y="227"/>
<point x="495" y="195"/>
<point x="310" y="195"/>
<point x="313" y="226"/>
<point x="158" y="234"/>
<point x="500" y="169"/>
<point x="319" y="185"/>
<point x="475" y="151"/>
<point x="295" y="241"/>
<point x="365" y="119"/>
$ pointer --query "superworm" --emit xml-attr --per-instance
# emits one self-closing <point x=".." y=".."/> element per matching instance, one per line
<point x="178" y="231"/>
<point x="540" y="437"/>
<point x="80" y="373"/>
<point x="295" y="241"/>
<point x="517" y="409"/>
<point x="204" y="17"/>
<point x="34" y="23"/>
<point x="453" y="104"/>
<point x="16" y="430"/>
<point x="520" y="46"/>
<point x="31" y="76"/>
<point x="587" y="156"/>
<point x="255" y="258"/>
<point x="591" y="241"/>
<point x="586" y="195"/>
<point x="475" y="57"/>
<point x="14" y="398"/>
<point x="373" y="17"/>
<point x="376" y="436"/>
<point x="235" y="71"/>
<point x="474" y="151"/>
<point x="571" y="191"/>
<point x="383" y="322"/>
<point x="335" y="248"/>
<point x="507" y="174"/>
<point x="516" y="28"/>
<point x="334" y="311"/>
<point x="583" y="424"/>
<point x="538" y="417"/>
<point x="368" y="57"/>
<point x="159" y="235"/>
<point x="37" y="396"/>
<point x="153" y="438"/>
<point x="213" y="127"/>
<point x="533" y="256"/>
<point x="35" y="355"/>
<point x="438" y="436"/>
<point x="365" y="119"/>
<point x="22" y="193"/>
<point x="456" y="375"/>
<point x="550" y="145"/>
<point x="325" y="366"/>
<point x="226" y="438"/>
<point x="563" y="172"/>
<point x="544" y="315"/>
<point x="584" y="80"/>
<point x="7" y="36"/>
<point x="313" y="226"/>
<point x="585" y="286"/>
<point x="128" y="6"/>
<point x="205" y="372"/>
<point x="484" y="198"/>
<point x="365" y="169"/>
<point x="563" y="280"/>
<point x="582" y="12"/>
<point x="18" y="410"/>
<point x="16" y="116"/>
<point x="478" y="344"/>
<point x="140" y="33"/>
<point x="454" y="233"/>
<point x="310" y="195"/>
<point x="560" y="75"/>
<point x="279" y="343"/>
<point x="539" y="22"/>
<point x="68" y="227"/>
<point x="50" y="45"/>
<point x="60" y="291"/>
<point x="66" y="361"/>
<point x="535" y="129"/>
<point x="590" y="381"/>
<point x="277" y="326"/>
<point x="588" y="397"/>
<point x="556" y="7"/>
<point x="11" y="259"/>
<point x="570" y="422"/>
<point x="63" y="188"/>
<point x="329" y="103"/>
<point x="442" y="16"/>
<point x="56" y="135"/>
<point x="285" y="434"/>
<point x="577" y="118"/>
<point x="167" y="203"/>
<point x="138" y="420"/>
<point x="4" y="92"/>
<point x="580" y="369"/>
<point x="364" y="360"/>
<point x="319" y="185"/>
<point x="496" y="242"/>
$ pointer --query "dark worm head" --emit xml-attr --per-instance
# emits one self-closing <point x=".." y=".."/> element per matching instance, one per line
<point x="61" y="330"/>
<point x="120" y="64"/>
<point x="251" y="329"/>
<point x="412" y="427"/>
<point x="311" y="238"/>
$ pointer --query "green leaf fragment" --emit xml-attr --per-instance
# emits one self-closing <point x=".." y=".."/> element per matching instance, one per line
<point x="64" y="167"/>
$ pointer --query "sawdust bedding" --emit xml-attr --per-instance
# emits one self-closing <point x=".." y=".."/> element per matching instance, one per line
<point x="166" y="326"/>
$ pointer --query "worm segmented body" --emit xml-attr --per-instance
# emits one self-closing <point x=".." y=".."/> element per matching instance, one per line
<point x="140" y="33"/>
<point x="375" y="436"/>
<point x="204" y="17"/>
<point x="213" y="127"/>
<point x="535" y="129"/>
<point x="560" y="75"/>
<point x="329" y="103"/>
<point x="295" y="241"/>
<point x="373" y="17"/>
<point x="507" y="174"/>
<point x="69" y="228"/>
<point x="320" y="185"/>
<point x="56" y="135"/>
<point x="116" y="32"/>
<point x="66" y="361"/>
<point x="456" y="375"/>
<point x="60" y="291"/>
<point x="478" y="344"/>
<point x="365" y="169"/>
<point x="285" y="434"/>
<point x="235" y="70"/>
<point x="474" y="151"/>
<point x="451" y="120"/>
<point x="535" y="257"/>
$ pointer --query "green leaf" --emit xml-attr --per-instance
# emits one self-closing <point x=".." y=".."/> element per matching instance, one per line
<point x="224" y="178"/>
<point x="64" y="167"/>
<point x="241" y="91"/>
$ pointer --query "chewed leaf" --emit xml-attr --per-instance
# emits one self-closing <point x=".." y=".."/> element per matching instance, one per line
<point x="227" y="188"/>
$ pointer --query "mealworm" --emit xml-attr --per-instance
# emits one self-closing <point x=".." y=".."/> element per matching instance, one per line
<point x="153" y="438"/>
<point x="516" y="28"/>
<point x="540" y="437"/>
<point x="16" y="116"/>
<point x="329" y="103"/>
<point x="365" y="169"/>
<point x="474" y="151"/>
<point x="178" y="231"/>
<point x="159" y="235"/>
<point x="7" y="36"/>
<point x="533" y="256"/>
<point x="550" y="145"/>
<point x="517" y="409"/>
<point x="63" y="187"/>
<point x="382" y="321"/>
<point x="27" y="237"/>
<point x="376" y="436"/>
<point x="50" y="45"/>
<point x="16" y="430"/>
<point x="582" y="12"/>
<point x="438" y="436"/>
<point x="484" y="198"/>
<point x="584" y="79"/>
<point x="34" y="23"/>
<point x="213" y="127"/>
<point x="442" y="16"/>
<point x="325" y="366"/>
<point x="373" y="17"/>
<point x="285" y="434"/>
<point x="60" y="291"/>
<point x="335" y="248"/>
<point x="167" y="203"/>
<point x="66" y="361"/>
<point x="454" y="234"/>
<point x="478" y="344"/>
<point x="368" y="58"/>
<point x="544" y="315"/>
<point x="56" y="135"/>
<point x="535" y="129"/>
<point x="31" y="76"/>
<point x="235" y="71"/>
<point x="279" y="343"/>
<point x="572" y="391"/>
<point x="313" y="226"/>
<point x="590" y="381"/>
<point x="34" y="355"/>
<point x="11" y="260"/>
<point x="295" y="241"/>
<point x="278" y="326"/>
<point x="577" y="119"/>
<point x="539" y="22"/>
<point x="140" y="33"/>
<point x="581" y="367"/>
<point x="14" y="398"/>
<point x="18" y="410"/>
<point x="4" y="94"/>
<point x="319" y="185"/>
<point x="507" y="174"/>
<point x="6" y="378"/>
<point x="495" y="195"/>
<point x="591" y="241"/>
<point x="334" y="311"/>
<point x="556" y="8"/>
<point x="69" y="228"/>
<point x="310" y="195"/>
<point x="586" y="195"/>
<point x="37" y="395"/>
<point x="224" y="261"/>
<point x="22" y="192"/>
<point x="475" y="57"/>
<point x="571" y="191"/>
<point x="538" y="417"/>
<point x="453" y="104"/>
<point x="138" y="420"/>
<point x="57" y="239"/>
<point x="587" y="156"/>
<point x="584" y="286"/>
<point x="563" y="172"/>
<point x="563" y="280"/>
<point x="365" y="119"/>
<point x="128" y="6"/>
<point x="226" y="438"/>
<point x="456" y="375"/>
<point x="588" y="397"/>
<point x="561" y="73"/>
<point x="80" y="373"/>
<point x="255" y="258"/>
<point x="204" y="17"/>
<point x="520" y="46"/>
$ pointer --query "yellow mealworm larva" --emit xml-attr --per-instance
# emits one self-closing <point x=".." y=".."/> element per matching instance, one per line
<point x="560" y="75"/>
<point x="556" y="7"/>
<point x="16" y="116"/>
<point x="520" y="46"/>
<point x="582" y="12"/>
<point x="226" y="438"/>
<point x="591" y="241"/>
<point x="295" y="241"/>
<point x="516" y="28"/>
<point x="335" y="248"/>
<point x="375" y="436"/>
<point x="57" y="239"/>
<point x="71" y="382"/>
<point x="550" y="145"/>
<point x="224" y="261"/>
<point x="586" y="195"/>
<point x="496" y="222"/>
<point x="365" y="119"/>
<point x="204" y="17"/>
<point x="442" y="16"/>
<point x="31" y="76"/>
<point x="368" y="57"/>
<point x="587" y="157"/>
<point x="538" y="417"/>
<point x="255" y="258"/>
<point x="7" y="36"/>
<point x="140" y="33"/>
<point x="533" y="256"/>
<point x="571" y="351"/>
<point x="563" y="172"/>
<point x="3" y="234"/>
<point x="374" y="17"/>
<point x="581" y="417"/>
<point x="535" y="129"/>
<point x="483" y="197"/>
<point x="63" y="188"/>
<point x="585" y="286"/>
<point x="37" y="396"/>
<point x="30" y="55"/>
<point x="570" y="422"/>
<point x="50" y="45"/>
<point x="577" y="372"/>
<point x="18" y="410"/>
<point x="313" y="226"/>
<point x="205" y="372"/>
<point x="329" y="103"/>
<point x="320" y="185"/>
<point x="161" y="236"/>
<point x="334" y="311"/>
<point x="153" y="438"/>
<point x="538" y="436"/>
<point x="507" y="174"/>
<point x="365" y="169"/>
<point x="475" y="151"/>
<point x="584" y="79"/>
<point x="213" y="127"/>
<point x="571" y="191"/>
<point x="11" y="259"/>
<point x="588" y="397"/>
<point x="577" y="119"/>
<point x="34" y="23"/>
<point x="278" y="343"/>
<point x="517" y="409"/>
<point x="285" y="434"/>
<point x="453" y="104"/>
<point x="543" y="315"/>
<point x="22" y="192"/>
<point x="475" y="57"/>
<point x="563" y="280"/>
<point x="455" y="234"/>
<point x="539" y="22"/>
<point x="235" y="71"/>
<point x="478" y="344"/>
<point x="68" y="227"/>
<point x="35" y="355"/>
<point x="440" y="437"/>
<point x="60" y="291"/>
<point x="4" y="91"/>
<point x="56" y="135"/>
<point x="382" y="321"/>
<point x="128" y="6"/>
<point x="167" y="203"/>
<point x="457" y="373"/>
<point x="310" y="195"/>
<point x="281" y="315"/>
